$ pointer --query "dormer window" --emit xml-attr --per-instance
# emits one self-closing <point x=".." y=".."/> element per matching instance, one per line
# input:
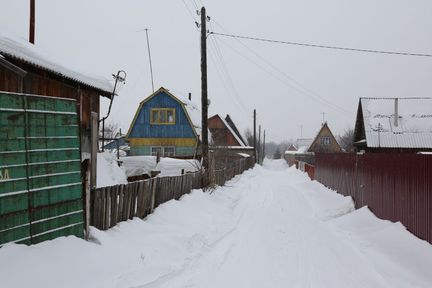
<point x="160" y="116"/>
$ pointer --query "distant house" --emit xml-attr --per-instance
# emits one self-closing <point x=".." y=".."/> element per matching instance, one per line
<point x="26" y="69"/>
<point x="299" y="152"/>
<point x="324" y="142"/>
<point x="165" y="124"/>
<point x="226" y="140"/>
<point x="394" y="125"/>
<point x="292" y="147"/>
<point x="223" y="133"/>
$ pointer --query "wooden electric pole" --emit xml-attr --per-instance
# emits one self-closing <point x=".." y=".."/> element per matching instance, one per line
<point x="263" y="147"/>
<point x="254" y="136"/>
<point x="204" y="100"/>
<point x="32" y="22"/>
<point x="259" y="144"/>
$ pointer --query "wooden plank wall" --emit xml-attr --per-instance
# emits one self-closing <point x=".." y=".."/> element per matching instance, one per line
<point x="113" y="204"/>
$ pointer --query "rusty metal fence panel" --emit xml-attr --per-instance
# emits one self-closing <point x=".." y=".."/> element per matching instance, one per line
<point x="396" y="187"/>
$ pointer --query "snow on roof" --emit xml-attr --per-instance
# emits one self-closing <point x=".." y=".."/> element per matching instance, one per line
<point x="414" y="129"/>
<point x="244" y="155"/>
<point x="194" y="113"/>
<point x="26" y="52"/>
<point x="303" y="144"/>
<point x="233" y="132"/>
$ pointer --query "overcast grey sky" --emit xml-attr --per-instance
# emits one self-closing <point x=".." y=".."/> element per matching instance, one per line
<point x="288" y="85"/>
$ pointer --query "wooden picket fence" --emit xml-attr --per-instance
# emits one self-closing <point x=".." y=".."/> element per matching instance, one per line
<point x="113" y="204"/>
<point x="221" y="176"/>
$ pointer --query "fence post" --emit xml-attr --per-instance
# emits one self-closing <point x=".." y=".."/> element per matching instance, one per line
<point x="153" y="195"/>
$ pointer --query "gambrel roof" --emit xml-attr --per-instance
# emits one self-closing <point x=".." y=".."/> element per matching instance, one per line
<point x="193" y="113"/>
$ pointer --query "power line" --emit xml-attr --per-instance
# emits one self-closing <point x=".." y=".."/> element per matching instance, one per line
<point x="195" y="4"/>
<point x="322" y="46"/>
<point x="310" y="95"/>
<point x="189" y="10"/>
<point x="301" y="88"/>
<point x="224" y="75"/>
<point x="291" y="79"/>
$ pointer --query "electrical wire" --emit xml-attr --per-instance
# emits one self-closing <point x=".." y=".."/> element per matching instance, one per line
<point x="322" y="46"/>
<point x="189" y="10"/>
<point x="195" y="4"/>
<point x="225" y="78"/>
<point x="306" y="91"/>
<point x="329" y="104"/>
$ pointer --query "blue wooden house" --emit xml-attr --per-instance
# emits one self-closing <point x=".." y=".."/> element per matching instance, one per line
<point x="165" y="124"/>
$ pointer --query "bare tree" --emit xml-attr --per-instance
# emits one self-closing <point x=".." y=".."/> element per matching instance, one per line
<point x="277" y="154"/>
<point x="346" y="140"/>
<point x="112" y="130"/>
<point x="249" y="137"/>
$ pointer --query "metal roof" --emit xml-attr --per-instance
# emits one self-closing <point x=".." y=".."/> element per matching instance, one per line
<point x="412" y="128"/>
<point x="21" y="50"/>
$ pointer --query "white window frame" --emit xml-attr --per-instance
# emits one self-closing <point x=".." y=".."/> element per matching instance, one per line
<point x="325" y="140"/>
<point x="169" y="147"/>
<point x="155" y="153"/>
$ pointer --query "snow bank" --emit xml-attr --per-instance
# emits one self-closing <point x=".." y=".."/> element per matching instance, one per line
<point x="130" y="254"/>
<point x="401" y="258"/>
<point x="404" y="259"/>
<point x="326" y="203"/>
<point x="108" y="171"/>
<point x="173" y="167"/>
<point x="263" y="229"/>
<point x="139" y="165"/>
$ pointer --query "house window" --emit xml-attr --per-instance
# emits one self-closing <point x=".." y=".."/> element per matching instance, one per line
<point x="325" y="141"/>
<point x="169" y="151"/>
<point x="162" y="116"/>
<point x="156" y="150"/>
<point x="163" y="151"/>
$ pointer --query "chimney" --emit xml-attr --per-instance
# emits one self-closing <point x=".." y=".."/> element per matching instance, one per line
<point x="396" y="112"/>
<point x="190" y="96"/>
<point x="32" y="22"/>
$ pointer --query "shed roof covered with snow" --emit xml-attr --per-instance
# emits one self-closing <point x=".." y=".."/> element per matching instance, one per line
<point x="23" y="51"/>
<point x="404" y="123"/>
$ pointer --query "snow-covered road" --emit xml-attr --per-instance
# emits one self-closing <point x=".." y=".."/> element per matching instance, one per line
<point x="271" y="227"/>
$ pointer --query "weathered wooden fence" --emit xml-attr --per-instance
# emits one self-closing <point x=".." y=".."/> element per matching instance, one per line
<point x="113" y="204"/>
<point x="397" y="187"/>
<point x="221" y="176"/>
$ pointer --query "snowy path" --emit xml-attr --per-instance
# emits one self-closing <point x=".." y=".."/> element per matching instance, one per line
<point x="270" y="227"/>
<point x="276" y="242"/>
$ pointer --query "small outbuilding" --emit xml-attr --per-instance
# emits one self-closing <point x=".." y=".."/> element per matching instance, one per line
<point x="24" y="68"/>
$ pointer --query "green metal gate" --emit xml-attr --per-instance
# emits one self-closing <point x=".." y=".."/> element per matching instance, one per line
<point x="40" y="178"/>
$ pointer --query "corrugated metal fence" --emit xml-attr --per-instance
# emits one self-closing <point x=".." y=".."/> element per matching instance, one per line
<point x="40" y="171"/>
<point x="397" y="187"/>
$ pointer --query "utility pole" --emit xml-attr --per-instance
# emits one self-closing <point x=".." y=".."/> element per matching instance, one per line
<point x="32" y="22"/>
<point x="204" y="100"/>
<point x="323" y="114"/>
<point x="263" y="147"/>
<point x="151" y="68"/>
<point x="254" y="135"/>
<point x="259" y="144"/>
